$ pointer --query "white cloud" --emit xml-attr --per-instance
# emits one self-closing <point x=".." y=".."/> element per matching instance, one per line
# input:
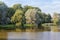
<point x="52" y="7"/>
<point x="48" y="6"/>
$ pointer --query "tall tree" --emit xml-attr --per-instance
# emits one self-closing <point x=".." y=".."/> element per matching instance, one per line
<point x="30" y="7"/>
<point x="18" y="18"/>
<point x="3" y="11"/>
<point x="27" y="7"/>
<point x="10" y="12"/>
<point x="32" y="17"/>
<point x="17" y="6"/>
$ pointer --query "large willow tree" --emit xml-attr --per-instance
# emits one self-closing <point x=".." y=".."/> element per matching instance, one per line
<point x="18" y="19"/>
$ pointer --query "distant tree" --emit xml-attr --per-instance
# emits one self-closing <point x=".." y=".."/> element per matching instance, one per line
<point x="27" y="7"/>
<point x="39" y="10"/>
<point x="30" y="7"/>
<point x="56" y="18"/>
<point x="17" y="6"/>
<point x="49" y="19"/>
<point x="44" y="18"/>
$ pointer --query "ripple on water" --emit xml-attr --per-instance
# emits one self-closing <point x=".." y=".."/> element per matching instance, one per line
<point x="34" y="36"/>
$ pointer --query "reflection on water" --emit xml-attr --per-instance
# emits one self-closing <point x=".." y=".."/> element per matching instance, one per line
<point x="33" y="36"/>
<point x="20" y="39"/>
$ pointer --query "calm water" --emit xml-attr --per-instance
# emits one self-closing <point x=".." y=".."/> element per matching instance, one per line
<point x="34" y="36"/>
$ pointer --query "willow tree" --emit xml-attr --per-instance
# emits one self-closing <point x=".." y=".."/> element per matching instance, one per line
<point x="32" y="18"/>
<point x="16" y="18"/>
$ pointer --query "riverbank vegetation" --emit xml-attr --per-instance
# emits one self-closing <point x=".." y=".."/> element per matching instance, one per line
<point x="17" y="18"/>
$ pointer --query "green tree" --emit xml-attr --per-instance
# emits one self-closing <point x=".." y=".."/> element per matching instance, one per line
<point x="44" y="18"/>
<point x="18" y="18"/>
<point x="27" y="7"/>
<point x="49" y="18"/>
<point x="30" y="7"/>
<point x="56" y="19"/>
<point x="3" y="11"/>
<point x="17" y="6"/>
<point x="32" y="17"/>
<point x="10" y="12"/>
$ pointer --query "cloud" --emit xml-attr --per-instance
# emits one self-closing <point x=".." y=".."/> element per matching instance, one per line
<point x="47" y="6"/>
<point x="52" y="7"/>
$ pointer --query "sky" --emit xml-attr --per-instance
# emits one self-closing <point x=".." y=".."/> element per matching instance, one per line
<point x="47" y="6"/>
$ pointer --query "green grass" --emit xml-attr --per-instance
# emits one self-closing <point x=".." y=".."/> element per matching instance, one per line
<point x="7" y="27"/>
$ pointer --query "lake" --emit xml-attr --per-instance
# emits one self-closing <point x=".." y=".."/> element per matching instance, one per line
<point x="34" y="36"/>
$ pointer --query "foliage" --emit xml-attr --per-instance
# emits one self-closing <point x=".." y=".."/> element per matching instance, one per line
<point x="17" y="6"/>
<point x="18" y="24"/>
<point x="18" y="18"/>
<point x="27" y="7"/>
<point x="10" y="12"/>
<point x="29" y="25"/>
<point x="17" y="15"/>
<point x="7" y="27"/>
<point x="30" y="7"/>
<point x="56" y="19"/>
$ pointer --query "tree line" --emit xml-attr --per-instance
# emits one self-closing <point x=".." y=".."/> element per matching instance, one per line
<point x="23" y="17"/>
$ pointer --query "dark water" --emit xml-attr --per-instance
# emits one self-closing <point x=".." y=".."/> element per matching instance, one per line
<point x="34" y="36"/>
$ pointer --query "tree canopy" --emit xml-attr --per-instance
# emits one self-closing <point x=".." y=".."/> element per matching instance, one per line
<point x="21" y="16"/>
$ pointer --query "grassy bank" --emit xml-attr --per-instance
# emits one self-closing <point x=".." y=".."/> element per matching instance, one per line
<point x="13" y="28"/>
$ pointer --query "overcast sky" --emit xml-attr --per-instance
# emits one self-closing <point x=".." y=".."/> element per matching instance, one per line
<point x="47" y="6"/>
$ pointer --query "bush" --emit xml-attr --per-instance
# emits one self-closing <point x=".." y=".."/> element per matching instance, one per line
<point x="18" y="25"/>
<point x="47" y="26"/>
<point x="29" y="25"/>
<point x="7" y="27"/>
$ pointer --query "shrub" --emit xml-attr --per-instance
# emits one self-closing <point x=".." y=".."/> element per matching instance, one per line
<point x="7" y="27"/>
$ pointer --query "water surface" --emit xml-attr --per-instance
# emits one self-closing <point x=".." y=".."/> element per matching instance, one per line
<point x="34" y="36"/>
